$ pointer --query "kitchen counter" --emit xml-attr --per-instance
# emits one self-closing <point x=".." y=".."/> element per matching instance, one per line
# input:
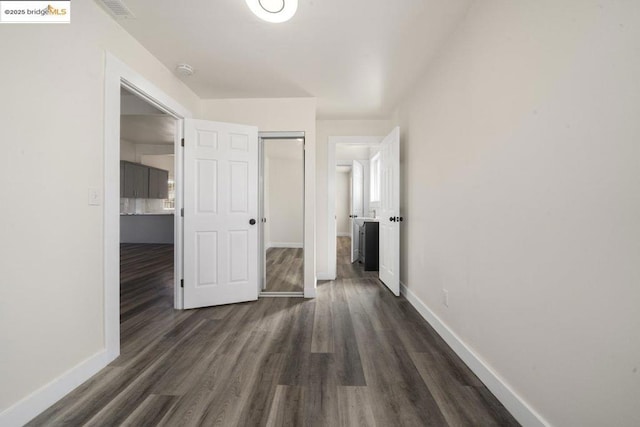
<point x="146" y="228"/>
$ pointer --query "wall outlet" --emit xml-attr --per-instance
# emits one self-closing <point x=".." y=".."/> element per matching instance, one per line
<point x="445" y="297"/>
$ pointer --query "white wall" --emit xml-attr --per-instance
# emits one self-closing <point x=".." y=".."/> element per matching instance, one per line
<point x="343" y="202"/>
<point x="143" y="151"/>
<point x="51" y="317"/>
<point x="127" y="151"/>
<point x="520" y="192"/>
<point x="351" y="152"/>
<point x="284" y="197"/>
<point x="325" y="129"/>
<point x="160" y="161"/>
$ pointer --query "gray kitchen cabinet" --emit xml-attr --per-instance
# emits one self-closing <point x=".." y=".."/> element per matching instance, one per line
<point x="136" y="181"/>
<point x="139" y="181"/>
<point x="158" y="183"/>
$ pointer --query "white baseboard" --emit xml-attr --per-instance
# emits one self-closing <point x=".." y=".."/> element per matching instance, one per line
<point x="264" y="294"/>
<point x="522" y="412"/>
<point x="325" y="276"/>
<point x="343" y="234"/>
<point x="31" y="406"/>
<point x="284" y="245"/>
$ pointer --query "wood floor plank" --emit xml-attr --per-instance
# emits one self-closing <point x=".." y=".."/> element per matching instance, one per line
<point x="354" y="407"/>
<point x="322" y="339"/>
<point x="284" y="268"/>
<point x="321" y="391"/>
<point x="348" y="360"/>
<point x="256" y="412"/>
<point x="287" y="408"/>
<point x="84" y="402"/>
<point x="461" y="404"/>
<point x="298" y="347"/>
<point x="151" y="411"/>
<point x="354" y="356"/>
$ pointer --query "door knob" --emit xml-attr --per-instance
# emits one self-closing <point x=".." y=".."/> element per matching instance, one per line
<point x="252" y="221"/>
<point x="392" y="219"/>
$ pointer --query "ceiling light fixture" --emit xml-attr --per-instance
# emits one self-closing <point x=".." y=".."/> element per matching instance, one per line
<point x="273" y="10"/>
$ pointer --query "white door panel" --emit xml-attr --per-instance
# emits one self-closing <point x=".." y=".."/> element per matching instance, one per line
<point x="389" y="261"/>
<point x="220" y="198"/>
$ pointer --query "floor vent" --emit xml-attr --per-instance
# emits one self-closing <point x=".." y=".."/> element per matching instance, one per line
<point x="117" y="8"/>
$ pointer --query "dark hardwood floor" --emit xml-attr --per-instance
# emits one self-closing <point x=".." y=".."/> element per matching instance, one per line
<point x="345" y="269"/>
<point x="284" y="270"/>
<point x="354" y="356"/>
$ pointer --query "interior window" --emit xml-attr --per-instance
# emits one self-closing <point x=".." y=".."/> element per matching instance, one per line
<point x="375" y="179"/>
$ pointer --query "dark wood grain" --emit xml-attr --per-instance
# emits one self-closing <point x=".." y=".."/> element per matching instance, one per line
<point x="354" y="356"/>
<point x="284" y="267"/>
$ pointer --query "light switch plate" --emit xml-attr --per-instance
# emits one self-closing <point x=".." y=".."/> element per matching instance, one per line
<point x="94" y="197"/>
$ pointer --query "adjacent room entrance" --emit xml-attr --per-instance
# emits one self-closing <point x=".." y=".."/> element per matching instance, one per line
<point x="373" y="223"/>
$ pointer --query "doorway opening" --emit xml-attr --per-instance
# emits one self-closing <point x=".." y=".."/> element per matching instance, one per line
<point x="148" y="183"/>
<point x="282" y="213"/>
<point x="347" y="154"/>
<point x="375" y="216"/>
<point x="354" y="206"/>
<point x="119" y="76"/>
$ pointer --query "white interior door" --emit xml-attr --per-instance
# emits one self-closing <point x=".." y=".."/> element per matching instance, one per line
<point x="357" y="206"/>
<point x="390" y="219"/>
<point x="220" y="213"/>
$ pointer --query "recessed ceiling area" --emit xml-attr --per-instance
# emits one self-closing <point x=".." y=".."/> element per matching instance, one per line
<point x="357" y="57"/>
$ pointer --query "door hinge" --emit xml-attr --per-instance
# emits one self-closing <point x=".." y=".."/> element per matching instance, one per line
<point x="182" y="142"/>
<point x="182" y="283"/>
<point x="181" y="211"/>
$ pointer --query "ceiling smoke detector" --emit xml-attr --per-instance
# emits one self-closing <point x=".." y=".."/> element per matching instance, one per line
<point x="273" y="10"/>
<point x="117" y="8"/>
<point x="184" y="70"/>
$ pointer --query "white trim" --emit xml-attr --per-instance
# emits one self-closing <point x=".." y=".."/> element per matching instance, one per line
<point x="331" y="192"/>
<point x="325" y="276"/>
<point x="118" y="74"/>
<point x="31" y="406"/>
<point x="312" y="292"/>
<point x="284" y="245"/>
<point x="516" y="405"/>
<point x="276" y="294"/>
<point x="343" y="234"/>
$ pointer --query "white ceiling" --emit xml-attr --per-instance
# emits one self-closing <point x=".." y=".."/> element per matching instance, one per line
<point x="147" y="129"/>
<point x="142" y="123"/>
<point x="358" y="57"/>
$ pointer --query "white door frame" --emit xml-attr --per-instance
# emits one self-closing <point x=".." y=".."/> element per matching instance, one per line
<point x="118" y="74"/>
<point x="331" y="192"/>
